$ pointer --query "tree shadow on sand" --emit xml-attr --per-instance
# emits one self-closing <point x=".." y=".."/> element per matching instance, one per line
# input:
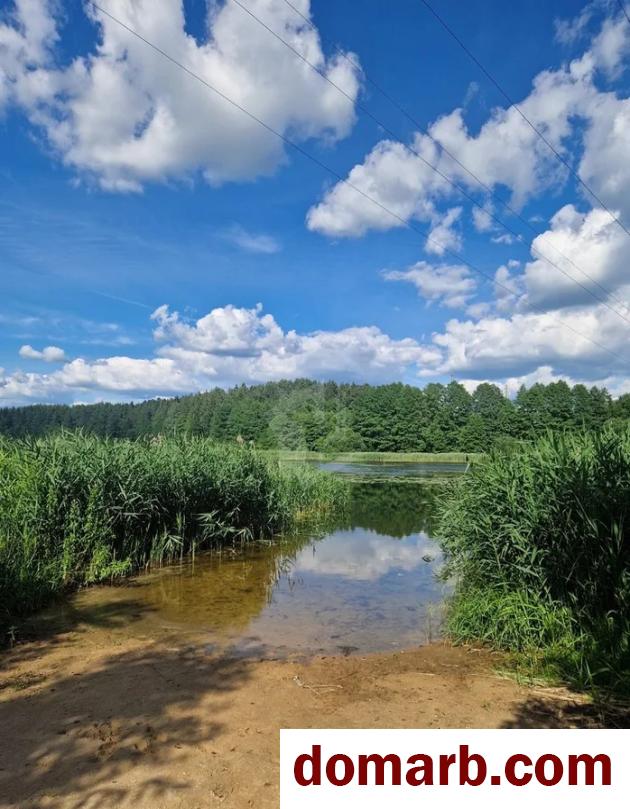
<point x="538" y="712"/>
<point x="63" y="623"/>
<point x="67" y="739"/>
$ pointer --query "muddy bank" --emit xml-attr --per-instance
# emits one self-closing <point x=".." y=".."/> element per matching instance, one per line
<point x="94" y="720"/>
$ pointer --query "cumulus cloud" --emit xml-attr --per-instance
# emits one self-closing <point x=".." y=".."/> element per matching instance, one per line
<point x="582" y="258"/>
<point x="508" y="286"/>
<point x="104" y="378"/>
<point x="392" y="176"/>
<point x="505" y="152"/>
<point x="159" y="123"/>
<point x="231" y="345"/>
<point x="616" y="385"/>
<point x="47" y="354"/>
<point x="227" y="346"/>
<point x="611" y="46"/>
<point x="578" y="240"/>
<point x="580" y="342"/>
<point x="605" y="163"/>
<point x="482" y="219"/>
<point x="234" y="344"/>
<point x="450" y="285"/>
<point x="443" y="235"/>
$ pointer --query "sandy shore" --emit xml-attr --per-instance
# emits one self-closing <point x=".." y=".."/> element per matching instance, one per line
<point x="91" y="720"/>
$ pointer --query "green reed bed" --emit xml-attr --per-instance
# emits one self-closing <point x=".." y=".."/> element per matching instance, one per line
<point x="76" y="509"/>
<point x="539" y="542"/>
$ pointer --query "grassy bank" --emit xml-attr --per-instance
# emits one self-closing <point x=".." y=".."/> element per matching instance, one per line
<point x="539" y="542"/>
<point x="376" y="457"/>
<point x="76" y="509"/>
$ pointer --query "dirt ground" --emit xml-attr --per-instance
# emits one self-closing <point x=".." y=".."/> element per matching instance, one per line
<point x="92" y="720"/>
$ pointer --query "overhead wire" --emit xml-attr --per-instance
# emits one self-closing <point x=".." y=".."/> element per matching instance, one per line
<point x="519" y="237"/>
<point x="527" y="120"/>
<point x="289" y="142"/>
<point x="624" y="10"/>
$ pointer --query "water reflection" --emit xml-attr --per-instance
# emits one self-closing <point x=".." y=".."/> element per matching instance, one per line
<point x="391" y="509"/>
<point x="363" y="556"/>
<point x="389" y="470"/>
<point x="365" y="582"/>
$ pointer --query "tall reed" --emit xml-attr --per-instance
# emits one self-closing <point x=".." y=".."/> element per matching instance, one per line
<point x="76" y="509"/>
<point x="538" y="540"/>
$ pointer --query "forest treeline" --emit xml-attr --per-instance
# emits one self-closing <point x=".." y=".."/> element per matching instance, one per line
<point x="332" y="417"/>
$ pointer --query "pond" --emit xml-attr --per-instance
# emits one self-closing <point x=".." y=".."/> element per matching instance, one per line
<point x="364" y="582"/>
<point x="393" y="470"/>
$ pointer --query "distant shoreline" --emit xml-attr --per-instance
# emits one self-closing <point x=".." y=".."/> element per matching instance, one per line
<point x="376" y="457"/>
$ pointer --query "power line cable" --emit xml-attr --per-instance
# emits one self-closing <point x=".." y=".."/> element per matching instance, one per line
<point x="513" y="104"/>
<point x="456" y="160"/>
<point x="337" y="176"/>
<point x="430" y="165"/>
<point x="624" y="10"/>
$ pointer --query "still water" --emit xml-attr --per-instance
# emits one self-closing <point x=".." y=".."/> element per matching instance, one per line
<point x="365" y="582"/>
<point x="393" y="470"/>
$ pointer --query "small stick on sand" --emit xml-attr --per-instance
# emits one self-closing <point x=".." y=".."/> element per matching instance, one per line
<point x="299" y="682"/>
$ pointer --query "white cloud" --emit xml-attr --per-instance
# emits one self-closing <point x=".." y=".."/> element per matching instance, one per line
<point x="545" y="375"/>
<point x="611" y="46"/>
<point x="504" y="238"/>
<point x="362" y="556"/>
<point x="252" y="242"/>
<point x="226" y="331"/>
<point x="393" y="176"/>
<point x="443" y="236"/>
<point x="576" y="342"/>
<point x="47" y="354"/>
<point x="104" y="378"/>
<point x="571" y="30"/>
<point x="482" y="219"/>
<point x="508" y="287"/>
<point x="157" y="122"/>
<point x="232" y="345"/>
<point x="477" y="310"/>
<point x="505" y="151"/>
<point x="605" y="164"/>
<point x="26" y="38"/>
<point x="591" y="242"/>
<point x="450" y="285"/>
<point x="229" y="345"/>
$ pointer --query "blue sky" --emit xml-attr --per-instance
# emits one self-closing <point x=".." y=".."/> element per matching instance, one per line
<point x="154" y="240"/>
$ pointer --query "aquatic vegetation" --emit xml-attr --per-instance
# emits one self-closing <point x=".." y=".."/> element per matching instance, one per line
<point x="76" y="509"/>
<point x="538" y="541"/>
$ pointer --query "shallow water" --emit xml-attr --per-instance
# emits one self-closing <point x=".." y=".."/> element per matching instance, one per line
<point x="392" y="470"/>
<point x="364" y="583"/>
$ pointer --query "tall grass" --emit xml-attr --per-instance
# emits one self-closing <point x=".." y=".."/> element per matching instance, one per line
<point x="76" y="509"/>
<point x="538" y="540"/>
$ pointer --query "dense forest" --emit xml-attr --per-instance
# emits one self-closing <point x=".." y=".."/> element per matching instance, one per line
<point x="338" y="417"/>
